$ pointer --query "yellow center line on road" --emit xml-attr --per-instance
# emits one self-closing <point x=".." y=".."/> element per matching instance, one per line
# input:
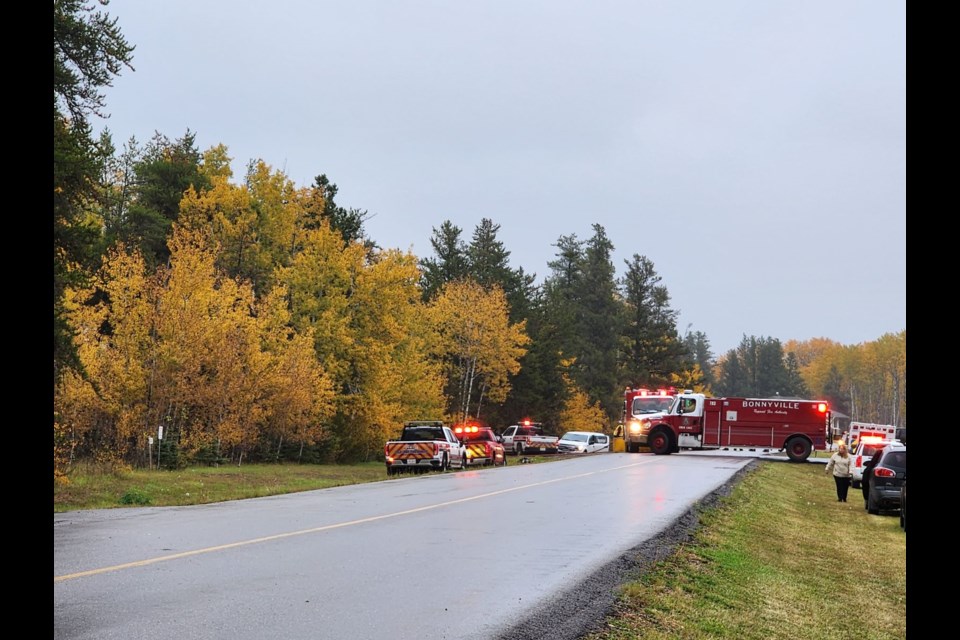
<point x="329" y="527"/>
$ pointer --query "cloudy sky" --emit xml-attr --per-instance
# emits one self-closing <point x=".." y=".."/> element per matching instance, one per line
<point x="753" y="150"/>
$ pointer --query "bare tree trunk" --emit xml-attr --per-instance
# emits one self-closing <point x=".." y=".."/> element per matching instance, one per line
<point x="472" y="372"/>
<point x="483" y="390"/>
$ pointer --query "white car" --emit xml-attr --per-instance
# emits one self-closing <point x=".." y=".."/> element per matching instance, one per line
<point x="583" y="442"/>
<point x="866" y="447"/>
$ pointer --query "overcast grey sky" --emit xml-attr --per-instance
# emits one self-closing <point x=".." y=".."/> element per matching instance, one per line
<point x="753" y="150"/>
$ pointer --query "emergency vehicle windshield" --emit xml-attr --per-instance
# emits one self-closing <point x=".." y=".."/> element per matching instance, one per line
<point x="651" y="404"/>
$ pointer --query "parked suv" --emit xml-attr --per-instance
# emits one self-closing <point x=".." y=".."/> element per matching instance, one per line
<point x="867" y="446"/>
<point x="583" y="442"/>
<point x="885" y="478"/>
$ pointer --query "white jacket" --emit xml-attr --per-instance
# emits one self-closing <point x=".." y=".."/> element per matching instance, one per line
<point x="841" y="467"/>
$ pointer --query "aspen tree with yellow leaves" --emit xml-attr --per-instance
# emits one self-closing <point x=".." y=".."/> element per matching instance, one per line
<point x="299" y="396"/>
<point x="228" y="212"/>
<point x="394" y="376"/>
<point x="366" y="318"/>
<point x="108" y="408"/>
<point x="476" y="342"/>
<point x="578" y="413"/>
<point x="209" y="359"/>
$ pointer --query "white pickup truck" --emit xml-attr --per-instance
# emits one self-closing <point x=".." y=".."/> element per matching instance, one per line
<point x="425" y="445"/>
<point x="528" y="437"/>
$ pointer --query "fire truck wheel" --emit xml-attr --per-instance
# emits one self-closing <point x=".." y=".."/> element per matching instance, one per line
<point x="798" y="449"/>
<point x="660" y="442"/>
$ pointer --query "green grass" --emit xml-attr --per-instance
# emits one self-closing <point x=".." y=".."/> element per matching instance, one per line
<point x="778" y="558"/>
<point x="92" y="488"/>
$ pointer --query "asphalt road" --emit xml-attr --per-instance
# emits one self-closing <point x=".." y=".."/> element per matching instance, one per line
<point x="520" y="552"/>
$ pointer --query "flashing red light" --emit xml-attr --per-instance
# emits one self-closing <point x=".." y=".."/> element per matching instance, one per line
<point x="822" y="407"/>
<point x="526" y="423"/>
<point x="663" y="392"/>
<point x="470" y="428"/>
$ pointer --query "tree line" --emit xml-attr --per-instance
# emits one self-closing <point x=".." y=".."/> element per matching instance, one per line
<point x="255" y="320"/>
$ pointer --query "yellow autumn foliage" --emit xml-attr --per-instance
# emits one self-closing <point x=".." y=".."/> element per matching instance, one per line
<point x="479" y="347"/>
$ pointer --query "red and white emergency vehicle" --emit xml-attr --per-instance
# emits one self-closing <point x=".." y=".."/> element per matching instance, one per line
<point x="698" y="422"/>
<point x="641" y="403"/>
<point x="483" y="447"/>
<point x="528" y="437"/>
<point x="860" y="429"/>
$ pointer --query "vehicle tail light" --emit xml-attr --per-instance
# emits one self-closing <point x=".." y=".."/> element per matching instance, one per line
<point x="858" y="462"/>
<point x="883" y="472"/>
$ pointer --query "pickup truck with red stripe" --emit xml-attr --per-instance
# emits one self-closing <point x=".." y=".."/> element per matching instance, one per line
<point x="425" y="445"/>
<point x="528" y="437"/>
<point x="483" y="446"/>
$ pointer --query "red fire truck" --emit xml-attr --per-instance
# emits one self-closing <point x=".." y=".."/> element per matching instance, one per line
<point x="641" y="403"/>
<point x="698" y="422"/>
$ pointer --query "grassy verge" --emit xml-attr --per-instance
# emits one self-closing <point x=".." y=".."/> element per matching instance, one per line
<point x="92" y="487"/>
<point x="779" y="558"/>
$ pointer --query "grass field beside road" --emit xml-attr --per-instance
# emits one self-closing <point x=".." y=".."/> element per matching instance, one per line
<point x="777" y="558"/>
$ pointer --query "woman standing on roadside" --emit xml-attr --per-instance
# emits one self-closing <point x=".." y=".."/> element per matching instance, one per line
<point x="841" y="463"/>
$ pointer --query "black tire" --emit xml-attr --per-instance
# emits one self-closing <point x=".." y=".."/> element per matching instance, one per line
<point x="872" y="506"/>
<point x="445" y="463"/>
<point x="660" y="442"/>
<point x="855" y="484"/>
<point x="798" y="449"/>
<point x="463" y="462"/>
<point x="632" y="447"/>
<point x="903" y="521"/>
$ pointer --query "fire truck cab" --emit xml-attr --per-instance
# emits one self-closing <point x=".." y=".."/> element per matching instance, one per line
<point x="641" y="404"/>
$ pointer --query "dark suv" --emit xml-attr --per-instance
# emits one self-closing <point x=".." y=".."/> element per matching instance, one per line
<point x="885" y="478"/>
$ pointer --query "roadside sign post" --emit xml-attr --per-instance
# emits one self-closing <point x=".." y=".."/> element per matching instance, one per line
<point x="159" y="444"/>
<point x="149" y="452"/>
